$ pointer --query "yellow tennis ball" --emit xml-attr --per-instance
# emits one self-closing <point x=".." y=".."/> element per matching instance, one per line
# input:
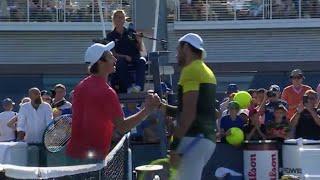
<point x="236" y="136"/>
<point x="55" y="110"/>
<point x="243" y="98"/>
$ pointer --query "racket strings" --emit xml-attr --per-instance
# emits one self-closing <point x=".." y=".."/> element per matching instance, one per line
<point x="58" y="134"/>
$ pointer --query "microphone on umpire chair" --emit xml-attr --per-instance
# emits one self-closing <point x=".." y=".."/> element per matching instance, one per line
<point x="132" y="33"/>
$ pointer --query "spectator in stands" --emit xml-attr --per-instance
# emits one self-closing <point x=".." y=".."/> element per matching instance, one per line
<point x="232" y="120"/>
<point x="130" y="109"/>
<point x="50" y="11"/>
<point x="244" y="114"/>
<point x="255" y="130"/>
<point x="13" y="121"/>
<point x="306" y="120"/>
<point x="261" y="94"/>
<point x="4" y="10"/>
<point x="293" y="94"/>
<point x="46" y="96"/>
<point x="127" y="51"/>
<point x="270" y="102"/>
<point x="33" y="118"/>
<point x="279" y="128"/>
<point x="232" y="88"/>
<point x="59" y="100"/>
<point x="7" y="133"/>
<point x="226" y="112"/>
<point x="253" y="93"/>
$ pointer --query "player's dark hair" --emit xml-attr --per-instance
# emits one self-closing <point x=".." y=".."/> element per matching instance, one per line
<point x="94" y="69"/>
<point x="198" y="52"/>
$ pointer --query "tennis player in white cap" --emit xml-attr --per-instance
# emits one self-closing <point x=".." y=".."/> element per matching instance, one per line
<point x="97" y="111"/>
<point x="194" y="137"/>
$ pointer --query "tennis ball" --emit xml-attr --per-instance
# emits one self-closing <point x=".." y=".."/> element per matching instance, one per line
<point x="243" y="98"/>
<point x="236" y="136"/>
<point x="55" y="110"/>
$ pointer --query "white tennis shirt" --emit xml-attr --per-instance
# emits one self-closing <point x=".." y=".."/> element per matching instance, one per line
<point x="6" y="133"/>
<point x="34" y="121"/>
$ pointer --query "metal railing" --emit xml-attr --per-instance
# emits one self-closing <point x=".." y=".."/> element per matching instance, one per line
<point x="219" y="10"/>
<point x="178" y="10"/>
<point x="59" y="10"/>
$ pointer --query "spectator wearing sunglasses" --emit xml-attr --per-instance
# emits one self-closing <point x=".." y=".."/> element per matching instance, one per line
<point x="293" y="94"/>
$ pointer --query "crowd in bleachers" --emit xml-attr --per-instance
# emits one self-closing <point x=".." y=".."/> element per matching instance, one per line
<point x="190" y="10"/>
<point x="195" y="10"/>
<point x="58" y="10"/>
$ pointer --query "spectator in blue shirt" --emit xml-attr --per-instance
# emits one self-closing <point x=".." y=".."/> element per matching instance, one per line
<point x="231" y="120"/>
<point x="271" y="101"/>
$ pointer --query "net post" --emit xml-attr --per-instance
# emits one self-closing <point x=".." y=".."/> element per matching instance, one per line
<point x="130" y="170"/>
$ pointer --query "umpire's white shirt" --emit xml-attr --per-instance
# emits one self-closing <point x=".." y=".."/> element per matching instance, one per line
<point x="34" y="121"/>
<point x="6" y="133"/>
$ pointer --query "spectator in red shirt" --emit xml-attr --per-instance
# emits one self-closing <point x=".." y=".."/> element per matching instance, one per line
<point x="97" y="111"/>
<point x="293" y="94"/>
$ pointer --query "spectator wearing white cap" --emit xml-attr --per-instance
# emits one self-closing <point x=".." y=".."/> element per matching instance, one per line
<point x="270" y="102"/>
<point x="293" y="94"/>
<point x="7" y="133"/>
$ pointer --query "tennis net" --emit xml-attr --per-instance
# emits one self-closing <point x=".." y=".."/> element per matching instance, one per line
<point x="116" y="166"/>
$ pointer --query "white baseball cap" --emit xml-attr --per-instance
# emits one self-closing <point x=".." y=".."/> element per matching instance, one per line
<point x="196" y="41"/>
<point x="95" y="51"/>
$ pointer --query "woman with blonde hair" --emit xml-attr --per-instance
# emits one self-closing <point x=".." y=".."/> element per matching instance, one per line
<point x="128" y="45"/>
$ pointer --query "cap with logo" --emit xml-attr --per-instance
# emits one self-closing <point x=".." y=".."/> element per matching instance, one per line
<point x="95" y="51"/>
<point x="7" y="101"/>
<point x="194" y="40"/>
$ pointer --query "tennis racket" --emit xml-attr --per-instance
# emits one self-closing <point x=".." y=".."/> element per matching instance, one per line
<point x="57" y="133"/>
